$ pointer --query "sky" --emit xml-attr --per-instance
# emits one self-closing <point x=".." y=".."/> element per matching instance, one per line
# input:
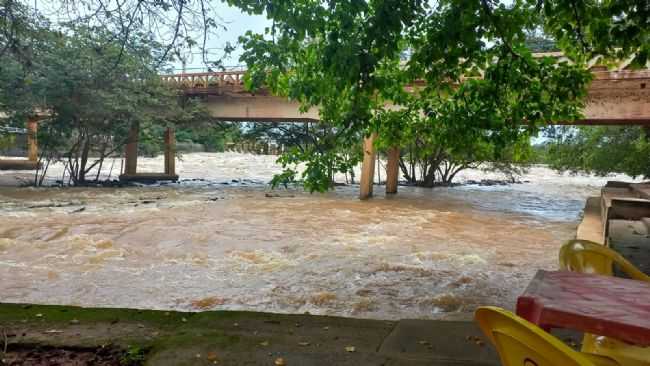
<point x="237" y="23"/>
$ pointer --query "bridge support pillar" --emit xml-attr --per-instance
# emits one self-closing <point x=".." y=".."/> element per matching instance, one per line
<point x="131" y="159"/>
<point x="368" y="167"/>
<point x="392" y="170"/>
<point x="170" y="151"/>
<point x="131" y="151"/>
<point x="32" y="141"/>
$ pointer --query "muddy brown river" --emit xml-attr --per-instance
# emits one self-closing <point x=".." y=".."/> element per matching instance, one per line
<point x="220" y="239"/>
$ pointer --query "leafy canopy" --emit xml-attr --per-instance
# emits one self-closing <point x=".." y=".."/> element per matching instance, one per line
<point x="91" y="89"/>
<point x="359" y="61"/>
<point x="355" y="59"/>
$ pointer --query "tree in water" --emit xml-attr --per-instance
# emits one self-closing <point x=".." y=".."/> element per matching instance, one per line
<point x="429" y="159"/>
<point x="351" y="58"/>
<point x="462" y="66"/>
<point x="91" y="101"/>
<point x="317" y="148"/>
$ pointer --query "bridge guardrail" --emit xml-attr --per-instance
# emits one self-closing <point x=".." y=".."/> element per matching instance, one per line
<point x="206" y="79"/>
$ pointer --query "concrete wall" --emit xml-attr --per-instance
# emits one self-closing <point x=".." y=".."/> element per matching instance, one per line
<point x="246" y="107"/>
<point x="619" y="99"/>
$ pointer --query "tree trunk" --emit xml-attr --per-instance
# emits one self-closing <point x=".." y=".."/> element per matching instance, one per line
<point x="412" y="161"/>
<point x="101" y="162"/>
<point x="81" y="178"/>
<point x="453" y="174"/>
<point x="429" y="178"/>
<point x="406" y="171"/>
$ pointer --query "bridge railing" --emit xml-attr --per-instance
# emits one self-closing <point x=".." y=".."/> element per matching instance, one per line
<point x="206" y="79"/>
<point x="215" y="79"/>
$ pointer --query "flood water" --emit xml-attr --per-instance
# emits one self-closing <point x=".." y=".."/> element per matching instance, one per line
<point x="220" y="239"/>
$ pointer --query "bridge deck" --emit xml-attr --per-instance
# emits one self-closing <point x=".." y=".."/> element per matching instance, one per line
<point x="618" y="97"/>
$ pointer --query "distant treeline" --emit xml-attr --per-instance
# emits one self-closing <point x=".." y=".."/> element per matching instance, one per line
<point x="599" y="150"/>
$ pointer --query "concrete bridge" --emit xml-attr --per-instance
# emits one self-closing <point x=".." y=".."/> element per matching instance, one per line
<point x="615" y="97"/>
<point x="618" y="97"/>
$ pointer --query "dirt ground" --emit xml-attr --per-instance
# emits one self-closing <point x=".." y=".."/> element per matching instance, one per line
<point x="50" y="356"/>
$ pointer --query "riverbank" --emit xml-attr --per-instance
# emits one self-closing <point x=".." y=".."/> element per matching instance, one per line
<point x="119" y="337"/>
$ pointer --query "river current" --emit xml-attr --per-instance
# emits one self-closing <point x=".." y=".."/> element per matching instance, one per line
<point x="221" y="239"/>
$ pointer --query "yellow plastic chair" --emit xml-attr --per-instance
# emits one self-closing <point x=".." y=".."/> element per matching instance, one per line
<point x="585" y="256"/>
<point x="588" y="257"/>
<point x="625" y="354"/>
<point x="521" y="343"/>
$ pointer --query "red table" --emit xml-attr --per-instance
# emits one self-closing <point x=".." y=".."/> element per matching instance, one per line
<point x="603" y="305"/>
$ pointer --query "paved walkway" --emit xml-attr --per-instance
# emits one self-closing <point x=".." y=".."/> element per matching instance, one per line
<point x="246" y="338"/>
<point x="631" y="238"/>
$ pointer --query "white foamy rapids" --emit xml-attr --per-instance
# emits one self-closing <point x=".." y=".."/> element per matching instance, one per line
<point x="204" y="244"/>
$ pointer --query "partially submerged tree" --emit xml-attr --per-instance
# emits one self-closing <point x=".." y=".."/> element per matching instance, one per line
<point x="352" y="57"/>
<point x="483" y="87"/>
<point x="90" y="101"/>
<point x="428" y="158"/>
<point x="321" y="151"/>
